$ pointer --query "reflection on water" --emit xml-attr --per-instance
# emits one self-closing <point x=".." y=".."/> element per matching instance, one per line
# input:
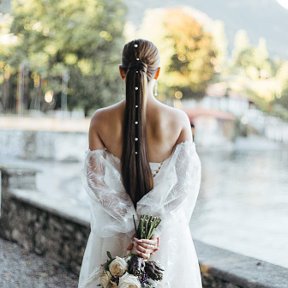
<point x="243" y="203"/>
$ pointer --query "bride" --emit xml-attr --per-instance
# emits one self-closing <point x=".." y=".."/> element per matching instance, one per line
<point x="141" y="160"/>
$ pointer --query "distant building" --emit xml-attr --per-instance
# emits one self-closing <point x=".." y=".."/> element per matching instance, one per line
<point x="218" y="97"/>
<point x="211" y="127"/>
<point x="214" y="116"/>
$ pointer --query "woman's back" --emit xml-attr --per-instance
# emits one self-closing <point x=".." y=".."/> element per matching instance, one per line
<point x="165" y="128"/>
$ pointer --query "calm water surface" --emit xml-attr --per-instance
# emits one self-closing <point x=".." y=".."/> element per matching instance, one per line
<point x="243" y="202"/>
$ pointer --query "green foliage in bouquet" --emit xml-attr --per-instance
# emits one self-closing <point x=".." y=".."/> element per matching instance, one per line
<point x="109" y="260"/>
<point x="146" y="227"/>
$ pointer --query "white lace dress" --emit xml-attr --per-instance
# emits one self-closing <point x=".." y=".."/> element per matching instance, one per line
<point x="176" y="187"/>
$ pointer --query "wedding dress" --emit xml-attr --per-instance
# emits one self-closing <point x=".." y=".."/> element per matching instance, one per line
<point x="176" y="187"/>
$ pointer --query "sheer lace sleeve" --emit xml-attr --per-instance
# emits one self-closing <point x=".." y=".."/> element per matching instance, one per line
<point x="188" y="174"/>
<point x="177" y="190"/>
<point x="111" y="207"/>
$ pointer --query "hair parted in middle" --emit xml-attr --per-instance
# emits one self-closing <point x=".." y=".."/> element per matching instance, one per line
<point x="140" y="61"/>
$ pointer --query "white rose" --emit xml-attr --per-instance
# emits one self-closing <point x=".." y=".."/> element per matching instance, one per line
<point x="105" y="279"/>
<point x="129" y="281"/>
<point x="118" y="267"/>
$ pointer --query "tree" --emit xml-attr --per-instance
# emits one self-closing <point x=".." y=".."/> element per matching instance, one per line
<point x="6" y="44"/>
<point x="257" y="72"/>
<point x="81" y="39"/>
<point x="282" y="76"/>
<point x="187" y="51"/>
<point x="241" y="43"/>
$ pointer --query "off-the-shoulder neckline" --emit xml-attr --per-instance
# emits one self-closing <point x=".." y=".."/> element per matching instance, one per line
<point x="101" y="150"/>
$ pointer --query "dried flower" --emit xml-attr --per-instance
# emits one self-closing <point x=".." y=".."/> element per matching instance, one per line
<point x="153" y="270"/>
<point x="136" y="265"/>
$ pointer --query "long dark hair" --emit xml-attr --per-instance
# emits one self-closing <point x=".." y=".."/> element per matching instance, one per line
<point x="140" y="60"/>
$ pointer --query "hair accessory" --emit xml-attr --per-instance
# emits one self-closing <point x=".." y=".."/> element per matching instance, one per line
<point x="138" y="66"/>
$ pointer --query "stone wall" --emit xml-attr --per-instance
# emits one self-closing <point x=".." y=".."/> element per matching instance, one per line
<point x="44" y="233"/>
<point x="224" y="268"/>
<point x="39" y="230"/>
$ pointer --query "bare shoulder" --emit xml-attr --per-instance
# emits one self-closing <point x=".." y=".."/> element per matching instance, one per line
<point x="98" y="117"/>
<point x="101" y="114"/>
<point x="98" y="123"/>
<point x="181" y="119"/>
<point x="95" y="141"/>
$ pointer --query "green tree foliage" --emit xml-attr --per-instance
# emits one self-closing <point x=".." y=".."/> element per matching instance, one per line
<point x="187" y="51"/>
<point x="255" y="61"/>
<point x="262" y="78"/>
<point x="282" y="76"/>
<point x="241" y="43"/>
<point x="79" y="38"/>
<point x="6" y="52"/>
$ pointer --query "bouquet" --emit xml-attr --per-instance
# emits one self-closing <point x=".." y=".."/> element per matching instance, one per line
<point x="132" y="271"/>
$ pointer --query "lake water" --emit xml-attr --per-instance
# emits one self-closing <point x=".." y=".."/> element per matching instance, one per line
<point x="243" y="201"/>
<point x="242" y="204"/>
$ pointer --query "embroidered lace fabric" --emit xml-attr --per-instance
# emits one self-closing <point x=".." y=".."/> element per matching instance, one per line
<point x="173" y="198"/>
